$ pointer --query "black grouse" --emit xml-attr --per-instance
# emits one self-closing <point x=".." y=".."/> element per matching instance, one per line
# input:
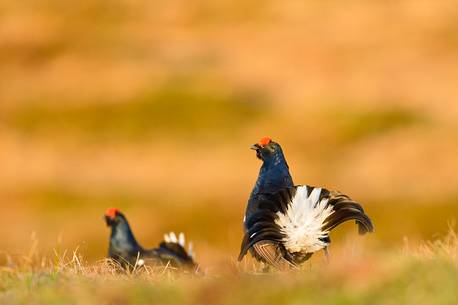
<point x="125" y="249"/>
<point x="286" y="223"/>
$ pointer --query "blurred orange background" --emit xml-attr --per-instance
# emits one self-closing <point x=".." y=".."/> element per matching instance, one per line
<point x="152" y="106"/>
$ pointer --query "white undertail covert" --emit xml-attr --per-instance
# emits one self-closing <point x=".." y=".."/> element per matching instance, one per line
<point x="303" y="222"/>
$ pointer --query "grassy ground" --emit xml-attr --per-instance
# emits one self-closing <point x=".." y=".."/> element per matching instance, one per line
<point x="421" y="274"/>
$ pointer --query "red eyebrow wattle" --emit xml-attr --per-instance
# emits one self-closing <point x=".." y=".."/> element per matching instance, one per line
<point x="111" y="212"/>
<point x="264" y="141"/>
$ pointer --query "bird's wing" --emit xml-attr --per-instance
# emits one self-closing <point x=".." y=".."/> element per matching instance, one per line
<point x="244" y="247"/>
<point x="261" y="226"/>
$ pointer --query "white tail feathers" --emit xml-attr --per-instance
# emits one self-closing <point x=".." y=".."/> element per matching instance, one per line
<point x="303" y="222"/>
<point x="181" y="240"/>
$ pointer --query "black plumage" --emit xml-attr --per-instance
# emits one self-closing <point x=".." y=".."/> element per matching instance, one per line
<point x="124" y="248"/>
<point x="272" y="240"/>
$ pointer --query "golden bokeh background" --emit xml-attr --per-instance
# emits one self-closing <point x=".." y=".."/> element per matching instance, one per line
<point x="151" y="106"/>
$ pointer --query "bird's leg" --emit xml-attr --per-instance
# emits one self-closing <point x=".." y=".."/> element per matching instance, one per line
<point x="326" y="254"/>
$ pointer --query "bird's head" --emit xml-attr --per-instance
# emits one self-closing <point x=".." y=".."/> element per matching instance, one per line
<point x="266" y="149"/>
<point x="112" y="216"/>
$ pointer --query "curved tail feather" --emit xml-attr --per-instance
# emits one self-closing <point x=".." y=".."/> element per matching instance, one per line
<point x="173" y="249"/>
<point x="346" y="209"/>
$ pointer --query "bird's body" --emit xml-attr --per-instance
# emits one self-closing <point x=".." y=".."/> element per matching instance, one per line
<point x="273" y="176"/>
<point x="124" y="248"/>
<point x="285" y="224"/>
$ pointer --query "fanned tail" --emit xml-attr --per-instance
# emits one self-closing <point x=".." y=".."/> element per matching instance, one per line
<point x="173" y="248"/>
<point x="346" y="209"/>
<point x="295" y="222"/>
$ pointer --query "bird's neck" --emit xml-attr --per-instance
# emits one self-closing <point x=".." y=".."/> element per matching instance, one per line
<point x="122" y="238"/>
<point x="273" y="176"/>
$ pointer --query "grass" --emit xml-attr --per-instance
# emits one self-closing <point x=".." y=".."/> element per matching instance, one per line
<point x="425" y="273"/>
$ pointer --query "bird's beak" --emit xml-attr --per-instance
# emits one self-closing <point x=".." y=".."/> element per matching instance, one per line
<point x="255" y="146"/>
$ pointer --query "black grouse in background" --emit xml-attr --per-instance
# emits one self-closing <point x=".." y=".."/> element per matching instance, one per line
<point x="125" y="249"/>
<point x="285" y="224"/>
